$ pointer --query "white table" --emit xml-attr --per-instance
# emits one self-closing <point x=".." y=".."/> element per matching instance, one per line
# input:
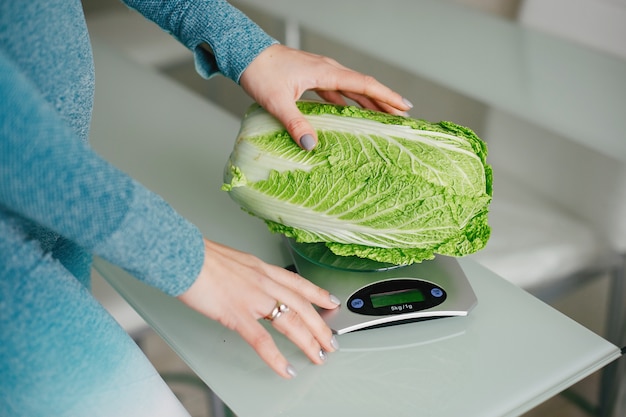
<point x="512" y="353"/>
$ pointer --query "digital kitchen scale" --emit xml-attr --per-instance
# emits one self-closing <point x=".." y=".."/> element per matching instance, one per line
<point x="376" y="294"/>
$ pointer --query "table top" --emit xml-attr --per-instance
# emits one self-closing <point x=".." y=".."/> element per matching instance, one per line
<point x="511" y="353"/>
<point x="559" y="85"/>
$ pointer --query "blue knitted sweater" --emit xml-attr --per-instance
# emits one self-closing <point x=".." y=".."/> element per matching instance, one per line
<point x="55" y="191"/>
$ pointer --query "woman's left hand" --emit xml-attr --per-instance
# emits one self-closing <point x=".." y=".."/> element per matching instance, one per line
<point x="280" y="75"/>
<point x="238" y="289"/>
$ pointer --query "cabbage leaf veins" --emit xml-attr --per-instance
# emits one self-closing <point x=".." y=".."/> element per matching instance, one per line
<point x="389" y="188"/>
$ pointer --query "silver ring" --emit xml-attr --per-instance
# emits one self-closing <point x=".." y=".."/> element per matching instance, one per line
<point x="279" y="309"/>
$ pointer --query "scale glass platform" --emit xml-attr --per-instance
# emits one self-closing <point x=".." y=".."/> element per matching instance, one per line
<point x="376" y="294"/>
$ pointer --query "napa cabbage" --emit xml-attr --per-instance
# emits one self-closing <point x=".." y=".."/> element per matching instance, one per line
<point x="389" y="188"/>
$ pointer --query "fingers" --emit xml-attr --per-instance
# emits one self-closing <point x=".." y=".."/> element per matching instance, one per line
<point x="301" y="130"/>
<point x="301" y="324"/>
<point x="361" y="88"/>
<point x="280" y="75"/>
<point x="332" y="97"/>
<point x="263" y="344"/>
<point x="296" y="124"/>
<point x="291" y="325"/>
<point x="300" y="285"/>
<point x="297" y="320"/>
<point x="368" y="92"/>
<point x="368" y="103"/>
<point x="238" y="289"/>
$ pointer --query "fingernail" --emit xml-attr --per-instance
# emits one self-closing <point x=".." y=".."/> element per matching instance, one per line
<point x="335" y="299"/>
<point x="307" y="142"/>
<point x="323" y="355"/>
<point x="407" y="102"/>
<point x="291" y="371"/>
<point x="334" y="343"/>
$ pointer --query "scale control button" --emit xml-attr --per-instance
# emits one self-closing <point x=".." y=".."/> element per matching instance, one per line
<point x="357" y="303"/>
<point x="436" y="292"/>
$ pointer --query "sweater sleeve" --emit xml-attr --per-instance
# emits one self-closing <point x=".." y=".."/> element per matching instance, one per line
<point x="234" y="40"/>
<point x="49" y="176"/>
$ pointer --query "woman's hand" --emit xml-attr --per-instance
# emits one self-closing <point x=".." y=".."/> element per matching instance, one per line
<point x="280" y="75"/>
<point x="238" y="289"/>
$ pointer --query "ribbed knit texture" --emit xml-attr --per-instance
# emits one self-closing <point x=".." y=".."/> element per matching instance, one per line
<point x="234" y="39"/>
<point x="60" y="202"/>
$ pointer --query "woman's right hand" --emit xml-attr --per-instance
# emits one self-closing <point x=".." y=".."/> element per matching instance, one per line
<point x="280" y="75"/>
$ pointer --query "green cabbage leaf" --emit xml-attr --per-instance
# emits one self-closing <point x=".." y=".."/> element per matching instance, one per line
<point x="389" y="188"/>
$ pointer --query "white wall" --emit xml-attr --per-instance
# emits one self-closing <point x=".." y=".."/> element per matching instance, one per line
<point x="504" y="8"/>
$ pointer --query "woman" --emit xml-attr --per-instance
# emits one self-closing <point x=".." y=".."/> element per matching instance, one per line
<point x="60" y="353"/>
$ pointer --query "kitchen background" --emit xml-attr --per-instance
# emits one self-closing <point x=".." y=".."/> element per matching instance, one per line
<point x="143" y="42"/>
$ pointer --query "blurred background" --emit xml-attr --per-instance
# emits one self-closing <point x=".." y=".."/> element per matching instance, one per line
<point x="577" y="191"/>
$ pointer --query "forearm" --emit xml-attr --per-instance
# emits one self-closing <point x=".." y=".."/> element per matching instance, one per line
<point x="51" y="177"/>
<point x="233" y="40"/>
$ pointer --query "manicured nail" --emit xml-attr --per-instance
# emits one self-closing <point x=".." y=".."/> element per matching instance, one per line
<point x="323" y="355"/>
<point x="335" y="299"/>
<point x="407" y="102"/>
<point x="334" y="343"/>
<point x="307" y="142"/>
<point x="291" y="371"/>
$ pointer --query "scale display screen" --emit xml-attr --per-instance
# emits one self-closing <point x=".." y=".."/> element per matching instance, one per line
<point x="396" y="296"/>
<point x="390" y="298"/>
